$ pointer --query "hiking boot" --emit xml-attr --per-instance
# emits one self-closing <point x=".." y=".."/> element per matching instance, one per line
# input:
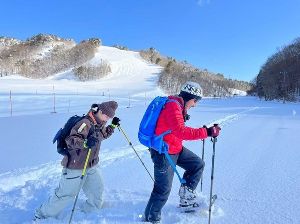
<point x="150" y="221"/>
<point x="188" y="197"/>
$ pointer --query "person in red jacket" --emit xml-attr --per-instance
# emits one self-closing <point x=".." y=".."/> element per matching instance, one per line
<point x="173" y="118"/>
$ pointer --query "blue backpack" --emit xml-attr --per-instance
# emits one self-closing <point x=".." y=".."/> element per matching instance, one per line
<point x="147" y="127"/>
<point x="148" y="124"/>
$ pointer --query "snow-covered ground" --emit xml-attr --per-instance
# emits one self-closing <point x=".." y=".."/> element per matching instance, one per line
<point x="257" y="167"/>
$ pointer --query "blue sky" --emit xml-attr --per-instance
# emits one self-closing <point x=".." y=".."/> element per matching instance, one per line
<point x="230" y="37"/>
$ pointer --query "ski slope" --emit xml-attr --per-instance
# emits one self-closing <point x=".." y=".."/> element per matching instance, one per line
<point x="130" y="75"/>
<point x="257" y="168"/>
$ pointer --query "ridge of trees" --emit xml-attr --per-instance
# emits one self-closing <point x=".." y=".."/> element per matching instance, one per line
<point x="279" y="76"/>
<point x="43" y="55"/>
<point x="176" y="73"/>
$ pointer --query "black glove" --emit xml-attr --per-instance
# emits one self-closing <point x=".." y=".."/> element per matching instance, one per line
<point x="90" y="142"/>
<point x="115" y="122"/>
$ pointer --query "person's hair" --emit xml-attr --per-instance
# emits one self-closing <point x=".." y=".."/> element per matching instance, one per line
<point x="187" y="96"/>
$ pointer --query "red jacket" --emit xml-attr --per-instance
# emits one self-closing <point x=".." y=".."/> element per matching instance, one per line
<point x="171" y="118"/>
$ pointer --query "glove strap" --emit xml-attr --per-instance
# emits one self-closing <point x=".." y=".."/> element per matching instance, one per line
<point x="114" y="126"/>
<point x="85" y="144"/>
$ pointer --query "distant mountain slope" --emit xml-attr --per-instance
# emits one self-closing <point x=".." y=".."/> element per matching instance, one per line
<point x="129" y="74"/>
<point x="54" y="58"/>
<point x="175" y="73"/>
<point x="43" y="55"/>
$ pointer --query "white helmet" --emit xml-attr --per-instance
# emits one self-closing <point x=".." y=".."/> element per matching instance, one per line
<point x="192" y="88"/>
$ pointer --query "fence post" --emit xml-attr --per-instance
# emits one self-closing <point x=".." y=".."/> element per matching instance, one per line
<point x="69" y="106"/>
<point x="10" y="100"/>
<point x="54" y="111"/>
<point x="128" y="101"/>
<point x="54" y="103"/>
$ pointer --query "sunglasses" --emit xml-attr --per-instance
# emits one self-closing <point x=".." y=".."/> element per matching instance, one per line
<point x="197" y="99"/>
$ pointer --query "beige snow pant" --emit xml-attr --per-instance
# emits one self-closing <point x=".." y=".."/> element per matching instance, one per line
<point x="66" y="192"/>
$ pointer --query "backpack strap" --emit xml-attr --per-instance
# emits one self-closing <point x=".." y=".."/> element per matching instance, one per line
<point x="182" y="181"/>
<point x="91" y="117"/>
<point x="166" y="148"/>
<point x="169" y="101"/>
<point x="182" y="108"/>
<point x="92" y="129"/>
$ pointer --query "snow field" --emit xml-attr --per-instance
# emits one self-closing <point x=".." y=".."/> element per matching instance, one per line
<point x="257" y="171"/>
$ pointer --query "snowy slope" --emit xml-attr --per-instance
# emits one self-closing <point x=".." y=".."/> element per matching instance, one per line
<point x="237" y="92"/>
<point x="257" y="155"/>
<point x="130" y="74"/>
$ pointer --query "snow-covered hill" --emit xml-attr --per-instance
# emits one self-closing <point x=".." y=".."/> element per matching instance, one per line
<point x="130" y="74"/>
<point x="257" y="159"/>
<point x="236" y="92"/>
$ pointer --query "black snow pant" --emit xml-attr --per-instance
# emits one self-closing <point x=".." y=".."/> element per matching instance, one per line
<point x="163" y="175"/>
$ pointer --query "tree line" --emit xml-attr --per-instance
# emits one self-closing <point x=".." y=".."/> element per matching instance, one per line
<point x="279" y="76"/>
<point x="175" y="73"/>
<point x="44" y="55"/>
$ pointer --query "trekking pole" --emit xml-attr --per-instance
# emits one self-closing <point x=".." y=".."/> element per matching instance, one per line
<point x="214" y="140"/>
<point x="120" y="129"/>
<point x="82" y="175"/>
<point x="203" y="143"/>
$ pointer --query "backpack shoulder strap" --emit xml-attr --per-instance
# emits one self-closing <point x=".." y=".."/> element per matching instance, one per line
<point x="92" y="129"/>
<point x="169" y="101"/>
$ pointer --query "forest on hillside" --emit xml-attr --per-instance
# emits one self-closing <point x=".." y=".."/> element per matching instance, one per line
<point x="44" y="55"/>
<point x="279" y="77"/>
<point x="175" y="73"/>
